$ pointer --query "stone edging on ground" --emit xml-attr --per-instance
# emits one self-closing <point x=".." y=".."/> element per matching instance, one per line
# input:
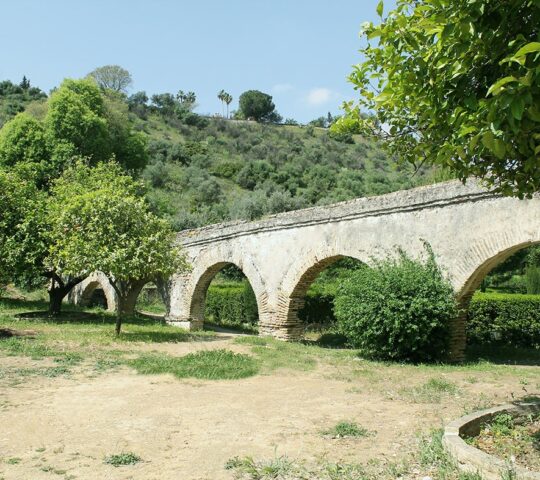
<point x="415" y="199"/>
<point x="472" y="459"/>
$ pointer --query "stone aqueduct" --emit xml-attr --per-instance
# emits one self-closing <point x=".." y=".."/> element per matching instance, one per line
<point x="469" y="228"/>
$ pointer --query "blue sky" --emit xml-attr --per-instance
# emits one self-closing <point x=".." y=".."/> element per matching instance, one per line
<point x="299" y="51"/>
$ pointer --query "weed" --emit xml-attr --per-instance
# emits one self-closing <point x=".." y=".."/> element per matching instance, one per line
<point x="346" y="429"/>
<point x="121" y="459"/>
<point x="13" y="460"/>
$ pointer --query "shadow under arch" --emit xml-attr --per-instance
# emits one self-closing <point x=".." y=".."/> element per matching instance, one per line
<point x="458" y="328"/>
<point x="202" y="283"/>
<point x="94" y="293"/>
<point x="474" y="281"/>
<point x="292" y="327"/>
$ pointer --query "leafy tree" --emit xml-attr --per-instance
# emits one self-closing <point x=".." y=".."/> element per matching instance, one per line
<point x="80" y="121"/>
<point x="103" y="223"/>
<point x="164" y="103"/>
<point x="14" y="99"/>
<point x="25" y="83"/>
<point x="138" y="103"/>
<point x="19" y="199"/>
<point x="456" y="84"/>
<point x="112" y="77"/>
<point x="257" y="105"/>
<point x="25" y="239"/>
<point x="186" y="100"/>
<point x="23" y="144"/>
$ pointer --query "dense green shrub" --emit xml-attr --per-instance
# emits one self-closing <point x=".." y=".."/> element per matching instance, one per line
<point x="532" y="279"/>
<point x="318" y="309"/>
<point x="399" y="309"/>
<point x="504" y="319"/>
<point x="231" y="303"/>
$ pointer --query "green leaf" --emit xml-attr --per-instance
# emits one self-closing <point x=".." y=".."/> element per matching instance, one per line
<point x="529" y="48"/>
<point x="517" y="107"/>
<point x="496" y="88"/>
<point x="380" y="8"/>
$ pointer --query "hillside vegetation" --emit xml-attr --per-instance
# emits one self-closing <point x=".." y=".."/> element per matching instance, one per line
<point x="203" y="170"/>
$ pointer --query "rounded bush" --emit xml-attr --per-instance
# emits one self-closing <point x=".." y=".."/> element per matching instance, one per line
<point x="399" y="309"/>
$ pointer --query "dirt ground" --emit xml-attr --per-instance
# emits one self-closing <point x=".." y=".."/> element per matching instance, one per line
<point x="64" y="427"/>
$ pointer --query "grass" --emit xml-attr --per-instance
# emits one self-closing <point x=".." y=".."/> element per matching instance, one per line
<point x="276" y="354"/>
<point x="432" y="391"/>
<point x="207" y="365"/>
<point x="122" y="459"/>
<point x="347" y="430"/>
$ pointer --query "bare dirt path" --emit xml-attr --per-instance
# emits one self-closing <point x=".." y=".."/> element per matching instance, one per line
<point x="187" y="429"/>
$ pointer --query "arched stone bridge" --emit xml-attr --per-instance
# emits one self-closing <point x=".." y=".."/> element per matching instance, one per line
<point x="469" y="228"/>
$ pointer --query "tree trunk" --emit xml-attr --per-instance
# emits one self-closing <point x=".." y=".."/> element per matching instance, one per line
<point x="56" y="295"/>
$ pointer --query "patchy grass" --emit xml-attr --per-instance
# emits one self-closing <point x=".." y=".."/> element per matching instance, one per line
<point x="430" y="458"/>
<point x="122" y="459"/>
<point x="432" y="391"/>
<point x="276" y="354"/>
<point x="207" y="365"/>
<point x="347" y="430"/>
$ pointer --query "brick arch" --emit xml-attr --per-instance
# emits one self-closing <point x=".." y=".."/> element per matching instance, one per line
<point x="204" y="270"/>
<point x="82" y="293"/>
<point x="499" y="251"/>
<point x="286" y="324"/>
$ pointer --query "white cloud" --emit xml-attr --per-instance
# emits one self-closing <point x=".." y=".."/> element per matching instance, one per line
<point x="320" y="96"/>
<point x="282" y="88"/>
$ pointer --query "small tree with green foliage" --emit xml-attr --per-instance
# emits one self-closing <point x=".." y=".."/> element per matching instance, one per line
<point x="456" y="84"/>
<point x="102" y="223"/>
<point x="256" y="105"/>
<point x="399" y="309"/>
<point x="112" y="77"/>
<point x="19" y="199"/>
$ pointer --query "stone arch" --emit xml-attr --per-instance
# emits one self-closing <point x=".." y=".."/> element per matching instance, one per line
<point x="286" y="323"/>
<point x="82" y="294"/>
<point x="485" y="263"/>
<point x="205" y="269"/>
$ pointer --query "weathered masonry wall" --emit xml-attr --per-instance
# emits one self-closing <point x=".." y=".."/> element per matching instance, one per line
<point x="469" y="228"/>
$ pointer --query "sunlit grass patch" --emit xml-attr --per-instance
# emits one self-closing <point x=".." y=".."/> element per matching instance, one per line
<point x="207" y="365"/>
<point x="346" y="429"/>
<point x="122" y="459"/>
<point x="432" y="391"/>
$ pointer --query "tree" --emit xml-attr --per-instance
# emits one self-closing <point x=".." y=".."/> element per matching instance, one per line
<point x="102" y="222"/>
<point x="23" y="144"/>
<point x="457" y="84"/>
<point x="112" y="77"/>
<point x="186" y="100"/>
<point x="228" y="98"/>
<point x="256" y="105"/>
<point x="221" y="96"/>
<point x="25" y="83"/>
<point x="80" y="121"/>
<point x="19" y="199"/>
<point x="25" y="239"/>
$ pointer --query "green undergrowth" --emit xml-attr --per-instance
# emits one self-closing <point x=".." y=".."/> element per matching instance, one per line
<point x="432" y="391"/>
<point x="207" y="365"/>
<point x="122" y="459"/>
<point x="347" y="429"/>
<point x="430" y="460"/>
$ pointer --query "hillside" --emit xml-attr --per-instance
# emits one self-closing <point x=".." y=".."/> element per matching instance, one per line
<point x="225" y="169"/>
<point x="204" y="170"/>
